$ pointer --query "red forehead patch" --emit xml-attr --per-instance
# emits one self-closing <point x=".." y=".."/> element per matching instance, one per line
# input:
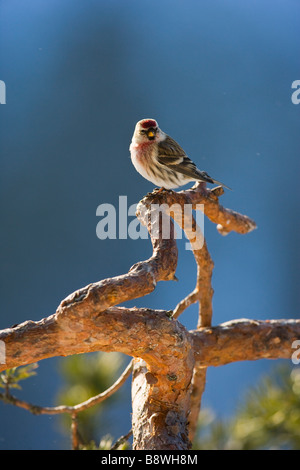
<point x="148" y="123"/>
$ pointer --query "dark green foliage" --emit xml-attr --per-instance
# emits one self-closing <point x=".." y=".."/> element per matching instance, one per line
<point x="268" y="418"/>
<point x="10" y="378"/>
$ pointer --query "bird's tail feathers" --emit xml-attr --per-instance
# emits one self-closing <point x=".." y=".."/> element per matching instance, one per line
<point x="205" y="177"/>
<point x="221" y="184"/>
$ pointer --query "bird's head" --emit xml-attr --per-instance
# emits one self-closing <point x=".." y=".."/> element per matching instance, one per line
<point x="146" y="130"/>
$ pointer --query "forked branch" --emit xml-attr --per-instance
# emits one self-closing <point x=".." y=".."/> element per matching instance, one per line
<point x="169" y="362"/>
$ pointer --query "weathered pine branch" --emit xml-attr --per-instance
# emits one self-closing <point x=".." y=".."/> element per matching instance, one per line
<point x="202" y="294"/>
<point x="179" y="206"/>
<point x="243" y="340"/>
<point x="169" y="361"/>
<point x="149" y="334"/>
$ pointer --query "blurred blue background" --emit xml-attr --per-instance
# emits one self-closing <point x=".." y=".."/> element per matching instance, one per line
<point x="217" y="76"/>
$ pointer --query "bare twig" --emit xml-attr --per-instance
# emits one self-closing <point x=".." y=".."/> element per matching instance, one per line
<point x="71" y="410"/>
<point x="202" y="294"/>
<point x="226" y="220"/>
<point x="121" y="440"/>
<point x="74" y="431"/>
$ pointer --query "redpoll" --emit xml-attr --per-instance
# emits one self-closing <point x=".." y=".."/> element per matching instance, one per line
<point x="159" y="159"/>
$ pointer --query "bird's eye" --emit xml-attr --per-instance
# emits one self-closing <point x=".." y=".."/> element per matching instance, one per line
<point x="142" y="131"/>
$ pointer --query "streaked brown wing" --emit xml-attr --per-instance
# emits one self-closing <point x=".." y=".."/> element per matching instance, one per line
<point x="173" y="156"/>
<point x="169" y="152"/>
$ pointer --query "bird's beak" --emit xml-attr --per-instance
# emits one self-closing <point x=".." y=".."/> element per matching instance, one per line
<point x="151" y="134"/>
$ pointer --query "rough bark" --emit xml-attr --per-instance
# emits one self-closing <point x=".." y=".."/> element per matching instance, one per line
<point x="151" y="335"/>
<point x="169" y="361"/>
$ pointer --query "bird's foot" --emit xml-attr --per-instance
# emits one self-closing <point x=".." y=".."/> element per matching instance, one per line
<point x="160" y="190"/>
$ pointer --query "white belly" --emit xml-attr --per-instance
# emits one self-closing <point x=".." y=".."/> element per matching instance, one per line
<point x="142" y="161"/>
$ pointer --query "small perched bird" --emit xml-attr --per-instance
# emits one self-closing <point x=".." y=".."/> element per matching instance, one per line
<point x="161" y="160"/>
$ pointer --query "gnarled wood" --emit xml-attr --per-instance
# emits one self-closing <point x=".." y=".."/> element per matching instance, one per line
<point x="169" y="362"/>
